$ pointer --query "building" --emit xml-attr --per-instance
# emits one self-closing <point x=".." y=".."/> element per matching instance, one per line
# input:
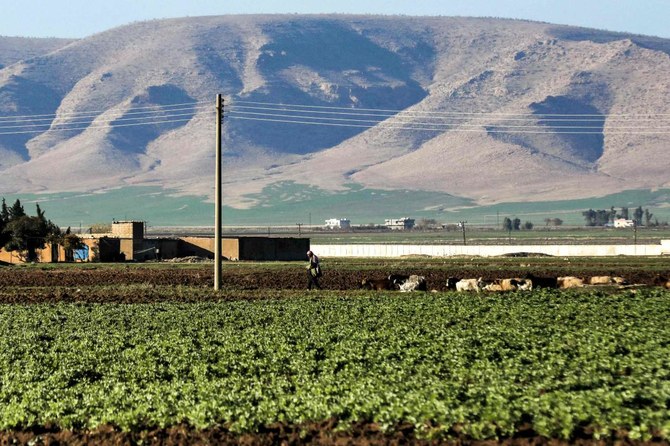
<point x="399" y="224"/>
<point x="127" y="242"/>
<point x="247" y="248"/>
<point x="338" y="223"/>
<point x="623" y="223"/>
<point x="131" y="236"/>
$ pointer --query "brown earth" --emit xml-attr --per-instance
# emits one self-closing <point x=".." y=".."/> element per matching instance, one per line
<point x="325" y="433"/>
<point x="243" y="278"/>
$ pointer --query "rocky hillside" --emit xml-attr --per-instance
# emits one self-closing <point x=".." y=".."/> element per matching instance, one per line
<point x="487" y="109"/>
<point x="15" y="49"/>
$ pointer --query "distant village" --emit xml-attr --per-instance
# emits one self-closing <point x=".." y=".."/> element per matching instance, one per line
<point x="399" y="224"/>
<point x="126" y="241"/>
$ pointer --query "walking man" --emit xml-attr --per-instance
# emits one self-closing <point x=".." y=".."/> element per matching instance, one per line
<point x="313" y="271"/>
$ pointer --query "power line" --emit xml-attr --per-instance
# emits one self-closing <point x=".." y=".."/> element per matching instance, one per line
<point x="384" y="125"/>
<point x="304" y="114"/>
<point x="95" y="114"/>
<point x="441" y="115"/>
<point x="403" y="119"/>
<point x="105" y="127"/>
<point x="143" y="118"/>
<point x="318" y="107"/>
<point x="98" y="112"/>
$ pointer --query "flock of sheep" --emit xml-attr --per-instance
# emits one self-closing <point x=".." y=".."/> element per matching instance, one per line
<point x="405" y="283"/>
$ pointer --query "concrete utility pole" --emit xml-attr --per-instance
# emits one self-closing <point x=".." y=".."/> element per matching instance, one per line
<point x="218" y="214"/>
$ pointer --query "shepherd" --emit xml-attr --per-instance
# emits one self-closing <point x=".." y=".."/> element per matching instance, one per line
<point x="313" y="271"/>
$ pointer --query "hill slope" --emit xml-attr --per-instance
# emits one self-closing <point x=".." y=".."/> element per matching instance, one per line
<point x="527" y="111"/>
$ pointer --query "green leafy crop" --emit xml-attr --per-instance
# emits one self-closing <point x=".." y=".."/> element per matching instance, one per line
<point x="478" y="365"/>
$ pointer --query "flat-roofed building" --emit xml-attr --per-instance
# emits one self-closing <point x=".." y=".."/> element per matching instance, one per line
<point x="338" y="223"/>
<point x="399" y="224"/>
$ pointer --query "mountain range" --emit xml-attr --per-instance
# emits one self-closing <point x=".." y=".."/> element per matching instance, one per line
<point x="484" y="110"/>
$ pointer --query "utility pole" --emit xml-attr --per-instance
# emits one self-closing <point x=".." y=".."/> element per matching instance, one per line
<point x="462" y="224"/>
<point x="299" y="225"/>
<point x="218" y="214"/>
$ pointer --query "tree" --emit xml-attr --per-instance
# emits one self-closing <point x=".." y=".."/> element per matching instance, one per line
<point x="4" y="212"/>
<point x="623" y="214"/>
<point x="16" y="211"/>
<point x="427" y="223"/>
<point x="553" y="221"/>
<point x="507" y="224"/>
<point x="637" y="216"/>
<point x="528" y="225"/>
<point x="590" y="217"/>
<point x="27" y="234"/>
<point x="70" y="243"/>
<point x="516" y="224"/>
<point x="647" y="217"/>
<point x="4" y="220"/>
<point x="602" y="217"/>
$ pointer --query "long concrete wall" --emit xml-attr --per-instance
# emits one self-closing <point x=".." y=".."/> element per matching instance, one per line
<point x="490" y="250"/>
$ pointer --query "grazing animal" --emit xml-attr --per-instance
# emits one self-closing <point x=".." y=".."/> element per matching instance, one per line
<point x="376" y="284"/>
<point x="510" y="285"/>
<point x="663" y="282"/>
<point x="607" y="280"/>
<point x="601" y="280"/>
<point x="570" y="282"/>
<point x="398" y="279"/>
<point x="470" y="285"/>
<point x="451" y="282"/>
<point x="619" y="280"/>
<point x="414" y="283"/>
<point x="494" y="286"/>
<point x="524" y="284"/>
<point x="542" y="282"/>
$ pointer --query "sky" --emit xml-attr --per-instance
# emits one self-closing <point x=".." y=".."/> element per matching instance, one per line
<point x="81" y="18"/>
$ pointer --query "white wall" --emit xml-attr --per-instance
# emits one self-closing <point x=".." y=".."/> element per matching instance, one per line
<point x="490" y="250"/>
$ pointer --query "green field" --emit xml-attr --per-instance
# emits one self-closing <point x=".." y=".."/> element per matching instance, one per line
<point x="288" y="203"/>
<point x="476" y="365"/>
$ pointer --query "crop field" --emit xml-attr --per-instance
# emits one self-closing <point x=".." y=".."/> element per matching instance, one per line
<point x="150" y="354"/>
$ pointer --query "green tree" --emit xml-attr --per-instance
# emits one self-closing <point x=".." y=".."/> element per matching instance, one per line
<point x="27" y="234"/>
<point x="4" y="220"/>
<point x="553" y="221"/>
<point x="427" y="223"/>
<point x="507" y="224"/>
<point x="16" y="211"/>
<point x="516" y="224"/>
<point x="4" y="212"/>
<point x="528" y="225"/>
<point x="590" y="217"/>
<point x="70" y="242"/>
<point x="637" y="216"/>
<point x="602" y="217"/>
<point x="624" y="213"/>
<point x="647" y="217"/>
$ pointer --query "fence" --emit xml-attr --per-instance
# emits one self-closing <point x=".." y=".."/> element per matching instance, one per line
<point x="377" y="250"/>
